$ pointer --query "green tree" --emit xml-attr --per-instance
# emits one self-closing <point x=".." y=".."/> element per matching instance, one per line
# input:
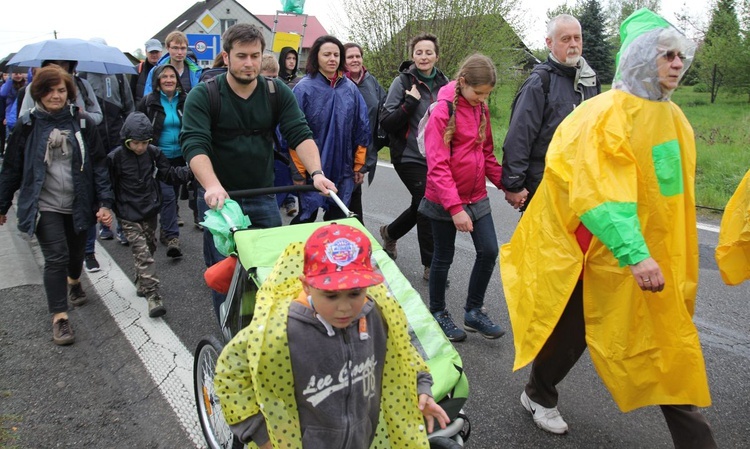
<point x="722" y="57"/>
<point x="384" y="28"/>
<point x="596" y="47"/>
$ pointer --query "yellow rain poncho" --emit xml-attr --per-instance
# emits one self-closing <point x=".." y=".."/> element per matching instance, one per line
<point x="623" y="164"/>
<point x="733" y="251"/>
<point x="245" y="390"/>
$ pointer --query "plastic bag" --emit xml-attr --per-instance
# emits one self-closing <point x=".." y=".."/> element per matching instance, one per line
<point x="293" y="6"/>
<point x="223" y="222"/>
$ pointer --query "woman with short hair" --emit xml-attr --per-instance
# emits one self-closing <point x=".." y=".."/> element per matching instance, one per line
<point x="56" y="161"/>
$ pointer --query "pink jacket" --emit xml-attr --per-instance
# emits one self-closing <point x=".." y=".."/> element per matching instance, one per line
<point x="457" y="176"/>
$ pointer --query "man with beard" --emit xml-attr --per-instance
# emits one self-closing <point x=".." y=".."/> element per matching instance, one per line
<point x="550" y="93"/>
<point x="234" y="151"/>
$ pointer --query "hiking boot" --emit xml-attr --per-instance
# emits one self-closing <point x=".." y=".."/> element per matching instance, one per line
<point x="163" y="238"/>
<point x="121" y="239"/>
<point x="90" y="263"/>
<point x="290" y="207"/>
<point x="76" y="295"/>
<point x="449" y="328"/>
<point x="173" y="248"/>
<point x="477" y="321"/>
<point x="62" y="333"/>
<point x="155" y="306"/>
<point x="389" y="244"/>
<point x="548" y="419"/>
<point x="106" y="234"/>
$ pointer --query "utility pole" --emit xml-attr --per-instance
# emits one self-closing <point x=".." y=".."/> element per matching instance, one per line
<point x="55" y="33"/>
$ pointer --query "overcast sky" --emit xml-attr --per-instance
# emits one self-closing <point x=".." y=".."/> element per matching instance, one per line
<point x="128" y="24"/>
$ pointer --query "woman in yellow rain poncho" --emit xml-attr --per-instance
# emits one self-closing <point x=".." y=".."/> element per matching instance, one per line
<point x="733" y="250"/>
<point x="606" y="256"/>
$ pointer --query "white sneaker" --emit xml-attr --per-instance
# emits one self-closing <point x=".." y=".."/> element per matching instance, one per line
<point x="548" y="419"/>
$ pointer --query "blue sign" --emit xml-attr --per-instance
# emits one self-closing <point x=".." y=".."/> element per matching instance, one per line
<point x="205" y="46"/>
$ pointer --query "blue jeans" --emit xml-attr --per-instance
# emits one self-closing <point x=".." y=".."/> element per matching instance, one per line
<point x="91" y="237"/>
<point x="485" y="244"/>
<point x="263" y="213"/>
<point x="168" y="212"/>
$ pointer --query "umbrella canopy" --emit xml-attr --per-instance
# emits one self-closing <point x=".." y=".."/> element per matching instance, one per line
<point x="4" y="68"/>
<point x="91" y="56"/>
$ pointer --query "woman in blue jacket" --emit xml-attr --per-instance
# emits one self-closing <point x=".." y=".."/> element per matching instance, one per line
<point x="163" y="106"/>
<point x="337" y="116"/>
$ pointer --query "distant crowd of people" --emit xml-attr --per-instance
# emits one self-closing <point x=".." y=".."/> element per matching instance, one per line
<point x="606" y="251"/>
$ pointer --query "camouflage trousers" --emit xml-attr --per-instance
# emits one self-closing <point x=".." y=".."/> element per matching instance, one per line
<point x="142" y="238"/>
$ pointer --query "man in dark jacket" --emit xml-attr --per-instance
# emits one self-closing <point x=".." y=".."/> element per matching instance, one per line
<point x="153" y="54"/>
<point x="538" y="109"/>
<point x="288" y="63"/>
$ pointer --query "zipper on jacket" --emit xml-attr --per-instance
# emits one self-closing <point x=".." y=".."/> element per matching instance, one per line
<point x="348" y="349"/>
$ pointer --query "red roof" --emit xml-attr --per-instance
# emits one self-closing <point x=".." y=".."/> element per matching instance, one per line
<point x="291" y="23"/>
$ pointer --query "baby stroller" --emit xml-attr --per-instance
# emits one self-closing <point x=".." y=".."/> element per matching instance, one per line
<point x="257" y="252"/>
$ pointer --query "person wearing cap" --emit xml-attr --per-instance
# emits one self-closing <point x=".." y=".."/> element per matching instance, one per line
<point x="177" y="55"/>
<point x="337" y="356"/>
<point x="153" y="54"/>
<point x="610" y="245"/>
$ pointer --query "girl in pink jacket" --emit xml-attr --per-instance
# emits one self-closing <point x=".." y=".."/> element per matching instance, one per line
<point x="459" y="151"/>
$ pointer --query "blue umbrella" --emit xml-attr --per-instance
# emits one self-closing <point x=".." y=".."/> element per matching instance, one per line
<point x="91" y="56"/>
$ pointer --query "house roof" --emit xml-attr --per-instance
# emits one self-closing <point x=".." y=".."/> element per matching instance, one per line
<point x="192" y="14"/>
<point x="292" y="23"/>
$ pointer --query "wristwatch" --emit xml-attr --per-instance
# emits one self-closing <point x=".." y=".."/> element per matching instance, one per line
<point x="316" y="172"/>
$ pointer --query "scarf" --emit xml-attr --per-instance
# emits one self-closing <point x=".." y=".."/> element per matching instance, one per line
<point x="58" y="140"/>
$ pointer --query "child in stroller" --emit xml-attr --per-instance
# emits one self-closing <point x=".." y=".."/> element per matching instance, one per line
<point x="326" y="361"/>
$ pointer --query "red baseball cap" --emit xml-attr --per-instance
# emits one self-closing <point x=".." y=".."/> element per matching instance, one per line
<point x="337" y="257"/>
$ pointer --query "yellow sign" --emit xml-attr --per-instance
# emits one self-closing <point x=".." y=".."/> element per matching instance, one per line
<point x="207" y="21"/>
<point x="282" y="40"/>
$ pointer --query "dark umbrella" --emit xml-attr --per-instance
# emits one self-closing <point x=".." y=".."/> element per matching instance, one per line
<point x="91" y="56"/>
<point x="5" y="68"/>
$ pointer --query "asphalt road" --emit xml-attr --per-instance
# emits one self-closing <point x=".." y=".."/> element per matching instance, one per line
<point x="125" y="409"/>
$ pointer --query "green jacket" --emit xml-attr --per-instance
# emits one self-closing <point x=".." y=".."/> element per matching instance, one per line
<point x="241" y="161"/>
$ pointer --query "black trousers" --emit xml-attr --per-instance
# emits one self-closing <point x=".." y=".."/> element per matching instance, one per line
<point x="63" y="251"/>
<point x="414" y="177"/>
<point x="562" y="350"/>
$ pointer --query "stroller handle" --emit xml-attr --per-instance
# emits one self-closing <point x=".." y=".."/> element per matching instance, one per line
<point x="249" y="193"/>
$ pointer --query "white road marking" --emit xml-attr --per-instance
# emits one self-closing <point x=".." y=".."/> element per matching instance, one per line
<point x="166" y="359"/>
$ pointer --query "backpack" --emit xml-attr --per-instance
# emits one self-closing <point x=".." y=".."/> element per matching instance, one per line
<point x="543" y="71"/>
<point x="423" y="124"/>
<point x="214" y="106"/>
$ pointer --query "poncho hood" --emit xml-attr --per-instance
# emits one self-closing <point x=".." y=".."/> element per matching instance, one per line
<point x="646" y="36"/>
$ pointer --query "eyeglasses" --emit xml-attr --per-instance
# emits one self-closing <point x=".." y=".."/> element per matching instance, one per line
<point x="172" y="47"/>
<point x="671" y="54"/>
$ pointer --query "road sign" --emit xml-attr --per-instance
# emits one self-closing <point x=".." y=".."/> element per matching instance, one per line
<point x="282" y="40"/>
<point x="205" y="46"/>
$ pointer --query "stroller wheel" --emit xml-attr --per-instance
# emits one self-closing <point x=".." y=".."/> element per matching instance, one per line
<point x="444" y="443"/>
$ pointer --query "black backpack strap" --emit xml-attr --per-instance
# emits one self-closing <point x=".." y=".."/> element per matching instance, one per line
<point x="542" y="71"/>
<point x="273" y="98"/>
<point x="214" y="102"/>
<point x="84" y="92"/>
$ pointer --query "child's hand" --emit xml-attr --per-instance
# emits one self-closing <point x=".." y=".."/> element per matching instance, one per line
<point x="104" y="216"/>
<point x="463" y="222"/>
<point x="431" y="411"/>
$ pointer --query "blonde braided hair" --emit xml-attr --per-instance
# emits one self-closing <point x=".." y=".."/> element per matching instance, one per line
<point x="476" y="70"/>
